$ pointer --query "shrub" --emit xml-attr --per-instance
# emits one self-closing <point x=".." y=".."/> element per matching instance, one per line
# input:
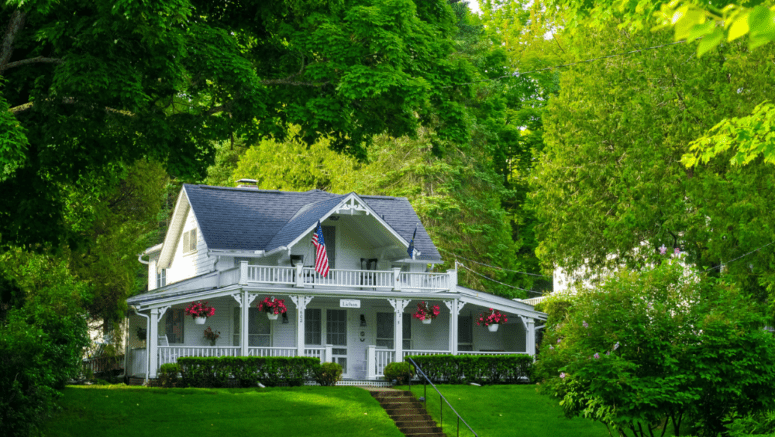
<point x="402" y="372"/>
<point x="481" y="369"/>
<point x="328" y="374"/>
<point x="648" y="349"/>
<point x="246" y="371"/>
<point x="168" y="375"/>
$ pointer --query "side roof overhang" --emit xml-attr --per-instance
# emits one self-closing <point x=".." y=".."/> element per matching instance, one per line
<point x="499" y="303"/>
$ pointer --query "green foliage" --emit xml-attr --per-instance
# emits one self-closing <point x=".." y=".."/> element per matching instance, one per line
<point x="401" y="372"/>
<point x="246" y="371"/>
<point x="753" y="425"/>
<point x="750" y="137"/>
<point x="607" y="188"/>
<point x="328" y="374"/>
<point x="115" y="83"/>
<point x="709" y="22"/>
<point x="42" y="336"/>
<point x="168" y="375"/>
<point x="481" y="369"/>
<point x="649" y="349"/>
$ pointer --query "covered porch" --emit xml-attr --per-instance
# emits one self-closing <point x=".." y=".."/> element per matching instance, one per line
<point x="363" y="331"/>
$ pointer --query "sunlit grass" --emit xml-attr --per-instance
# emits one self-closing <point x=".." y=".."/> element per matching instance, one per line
<point x="299" y="411"/>
<point x="499" y="410"/>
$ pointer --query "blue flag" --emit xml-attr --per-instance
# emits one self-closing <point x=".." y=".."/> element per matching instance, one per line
<point x="410" y="249"/>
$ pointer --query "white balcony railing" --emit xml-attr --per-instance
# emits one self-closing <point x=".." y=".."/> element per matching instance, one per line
<point x="425" y="281"/>
<point x="343" y="278"/>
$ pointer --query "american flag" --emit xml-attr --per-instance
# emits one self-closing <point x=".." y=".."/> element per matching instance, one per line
<point x="321" y="258"/>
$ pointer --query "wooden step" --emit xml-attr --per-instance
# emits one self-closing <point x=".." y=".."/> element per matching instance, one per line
<point x="408" y="413"/>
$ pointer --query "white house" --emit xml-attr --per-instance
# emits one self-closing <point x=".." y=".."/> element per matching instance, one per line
<point x="233" y="247"/>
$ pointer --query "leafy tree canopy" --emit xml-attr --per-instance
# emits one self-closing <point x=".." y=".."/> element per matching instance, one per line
<point x="87" y="85"/>
<point x="610" y="188"/>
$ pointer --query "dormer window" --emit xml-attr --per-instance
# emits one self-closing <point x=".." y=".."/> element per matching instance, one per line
<point x="189" y="241"/>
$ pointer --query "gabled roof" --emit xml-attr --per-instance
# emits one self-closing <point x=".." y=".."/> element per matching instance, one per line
<point x="249" y="219"/>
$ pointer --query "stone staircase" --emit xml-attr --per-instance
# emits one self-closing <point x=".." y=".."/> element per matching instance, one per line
<point x="408" y="413"/>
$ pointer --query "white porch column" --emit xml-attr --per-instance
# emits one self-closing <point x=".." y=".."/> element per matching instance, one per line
<point x="246" y="301"/>
<point x="299" y="275"/>
<point x="396" y="278"/>
<point x="301" y="305"/>
<point x="454" y="312"/>
<point x="243" y="273"/>
<point x="530" y="343"/>
<point x="153" y="343"/>
<point x="371" y="362"/>
<point x="452" y="279"/>
<point x="398" y="334"/>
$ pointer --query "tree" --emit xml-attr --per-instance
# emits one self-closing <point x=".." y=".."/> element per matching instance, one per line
<point x="659" y="348"/>
<point x="466" y="193"/>
<point x="712" y="24"/>
<point x="89" y="85"/>
<point x="42" y="336"/>
<point x="610" y="187"/>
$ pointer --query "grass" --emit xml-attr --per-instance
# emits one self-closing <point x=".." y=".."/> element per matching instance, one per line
<point x="514" y="410"/>
<point x="119" y="410"/>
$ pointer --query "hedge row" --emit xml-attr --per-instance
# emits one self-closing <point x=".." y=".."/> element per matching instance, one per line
<point x="246" y="371"/>
<point x="481" y="369"/>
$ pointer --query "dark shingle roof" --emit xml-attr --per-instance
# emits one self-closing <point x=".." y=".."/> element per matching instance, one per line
<point x="251" y="219"/>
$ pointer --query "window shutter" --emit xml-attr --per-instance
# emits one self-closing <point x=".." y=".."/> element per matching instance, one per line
<point x="185" y="242"/>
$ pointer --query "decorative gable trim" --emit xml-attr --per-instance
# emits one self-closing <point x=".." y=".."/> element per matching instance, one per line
<point x="352" y="204"/>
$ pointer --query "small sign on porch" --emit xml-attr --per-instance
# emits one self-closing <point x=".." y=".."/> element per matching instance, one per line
<point x="349" y="303"/>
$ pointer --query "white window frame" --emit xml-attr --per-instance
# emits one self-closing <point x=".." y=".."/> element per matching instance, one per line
<point x="189" y="241"/>
<point x="161" y="278"/>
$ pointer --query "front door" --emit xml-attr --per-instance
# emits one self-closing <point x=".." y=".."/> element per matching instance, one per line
<point x="336" y="336"/>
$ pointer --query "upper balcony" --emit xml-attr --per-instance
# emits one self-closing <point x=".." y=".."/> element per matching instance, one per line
<point x="306" y="277"/>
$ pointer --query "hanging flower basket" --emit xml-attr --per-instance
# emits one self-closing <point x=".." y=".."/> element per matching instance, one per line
<point x="272" y="307"/>
<point x="426" y="313"/>
<point x="200" y="312"/>
<point x="492" y="320"/>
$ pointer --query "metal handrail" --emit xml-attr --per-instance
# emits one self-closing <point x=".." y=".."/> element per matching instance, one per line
<point x="441" y="397"/>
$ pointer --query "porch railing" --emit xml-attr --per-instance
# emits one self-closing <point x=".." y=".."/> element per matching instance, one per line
<point x="410" y="352"/>
<point x="272" y="351"/>
<point x="373" y="279"/>
<point x="170" y="354"/>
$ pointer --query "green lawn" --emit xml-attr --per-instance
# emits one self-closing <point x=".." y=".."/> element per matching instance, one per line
<point x="155" y="412"/>
<point x="512" y="410"/>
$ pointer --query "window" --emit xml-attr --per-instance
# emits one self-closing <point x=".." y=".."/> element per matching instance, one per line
<point x="189" y="241"/>
<point x="312" y="326"/>
<point x="174" y="325"/>
<point x="386" y="333"/>
<point x="259" y="332"/>
<point x="465" y="333"/>
<point x="336" y="327"/>
<point x="161" y="278"/>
